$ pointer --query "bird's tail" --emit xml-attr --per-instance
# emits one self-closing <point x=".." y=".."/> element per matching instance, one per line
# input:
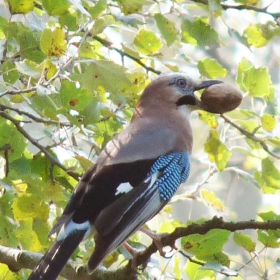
<point x="57" y="256"/>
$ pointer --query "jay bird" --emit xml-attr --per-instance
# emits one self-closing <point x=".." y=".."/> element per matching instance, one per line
<point x="134" y="177"/>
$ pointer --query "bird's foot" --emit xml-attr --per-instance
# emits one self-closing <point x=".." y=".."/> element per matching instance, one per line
<point x="157" y="239"/>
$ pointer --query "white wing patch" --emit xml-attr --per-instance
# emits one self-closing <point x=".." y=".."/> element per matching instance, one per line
<point x="153" y="178"/>
<point x="123" y="188"/>
<point x="71" y="227"/>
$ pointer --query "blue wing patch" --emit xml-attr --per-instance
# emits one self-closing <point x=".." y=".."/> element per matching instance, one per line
<point x="174" y="169"/>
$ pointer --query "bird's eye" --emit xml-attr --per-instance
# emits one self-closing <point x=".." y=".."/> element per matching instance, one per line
<point x="181" y="83"/>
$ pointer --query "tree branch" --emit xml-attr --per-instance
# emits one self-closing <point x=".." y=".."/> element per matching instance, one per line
<point x="108" y="45"/>
<point x="42" y="148"/>
<point x="215" y="223"/>
<point x="34" y="118"/>
<point x="14" y="92"/>
<point x="17" y="259"/>
<point x="251" y="136"/>
<point x="251" y="8"/>
<point x="244" y="7"/>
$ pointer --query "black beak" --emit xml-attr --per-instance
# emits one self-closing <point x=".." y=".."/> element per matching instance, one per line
<point x="207" y="83"/>
<point x="189" y="99"/>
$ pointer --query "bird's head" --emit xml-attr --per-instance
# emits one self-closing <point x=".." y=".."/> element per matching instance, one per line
<point x="174" y="89"/>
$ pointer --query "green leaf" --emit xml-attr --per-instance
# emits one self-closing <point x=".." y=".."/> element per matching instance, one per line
<point x="269" y="216"/>
<point x="169" y="226"/>
<point x="196" y="272"/>
<point x="245" y="241"/>
<point x="210" y="68"/>
<point x="177" y="267"/>
<point x="19" y="167"/>
<point x="131" y="6"/>
<point x="243" y="66"/>
<point x="270" y="238"/>
<point x="74" y="98"/>
<point x="259" y="35"/>
<point x="199" y="33"/>
<point x="250" y="125"/>
<point x="8" y="237"/>
<point x="12" y="137"/>
<point x="21" y="6"/>
<point x="217" y="260"/>
<point x="147" y="42"/>
<point x="13" y="30"/>
<point x="257" y="81"/>
<point x="269" y="176"/>
<point x="208" y="118"/>
<point x="101" y="23"/>
<point x="70" y="21"/>
<point x="98" y="8"/>
<point x="46" y="106"/>
<point x="91" y="113"/>
<point x="104" y="73"/>
<point x="53" y="43"/>
<point x="7" y="274"/>
<point x="205" y="246"/>
<point x="241" y="114"/>
<point x="29" y="42"/>
<point x="56" y="8"/>
<point x="31" y="243"/>
<point x="30" y="206"/>
<point x="275" y="142"/>
<point x="3" y="25"/>
<point x="49" y="69"/>
<point x="41" y="227"/>
<point x="215" y="5"/>
<point x="269" y="122"/>
<point x="254" y="36"/>
<point x="85" y="163"/>
<point x="10" y="73"/>
<point x="216" y="150"/>
<point x="167" y="29"/>
<point x="29" y="68"/>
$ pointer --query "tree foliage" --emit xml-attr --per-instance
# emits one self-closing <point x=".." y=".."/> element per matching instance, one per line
<point x="71" y="74"/>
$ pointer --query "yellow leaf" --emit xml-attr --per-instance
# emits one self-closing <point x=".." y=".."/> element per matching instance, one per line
<point x="27" y="236"/>
<point x="21" y="6"/>
<point x="268" y="122"/>
<point x="53" y="43"/>
<point x="211" y="200"/>
<point x="29" y="206"/>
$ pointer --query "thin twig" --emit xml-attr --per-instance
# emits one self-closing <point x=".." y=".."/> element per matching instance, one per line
<point x="42" y="148"/>
<point x="251" y="136"/>
<point x="36" y="119"/>
<point x="14" y="92"/>
<point x="243" y="7"/>
<point x="251" y="8"/>
<point x="108" y="45"/>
